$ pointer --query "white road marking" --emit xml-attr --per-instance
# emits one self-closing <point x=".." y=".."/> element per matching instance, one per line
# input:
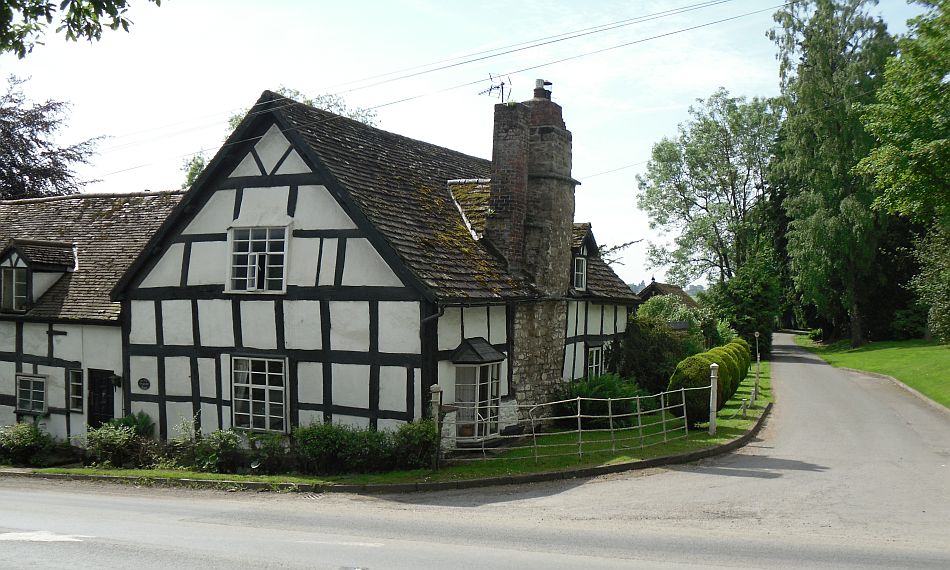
<point x="40" y="536"/>
<point x="341" y="543"/>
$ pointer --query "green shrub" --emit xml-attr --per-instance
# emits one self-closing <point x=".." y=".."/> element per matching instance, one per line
<point x="118" y="446"/>
<point x="607" y="386"/>
<point x="220" y="451"/>
<point x="725" y="333"/>
<point x="741" y="357"/>
<point x="648" y="351"/>
<point x="24" y="443"/>
<point x="270" y="453"/>
<point x="816" y="335"/>
<point x="692" y="372"/>
<point x="141" y="424"/>
<point x="415" y="444"/>
<point x="335" y="448"/>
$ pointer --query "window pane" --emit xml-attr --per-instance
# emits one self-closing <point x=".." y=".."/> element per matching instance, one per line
<point x="242" y="234"/>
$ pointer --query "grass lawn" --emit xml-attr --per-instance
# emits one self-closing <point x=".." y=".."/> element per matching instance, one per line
<point x="922" y="365"/>
<point x="597" y="447"/>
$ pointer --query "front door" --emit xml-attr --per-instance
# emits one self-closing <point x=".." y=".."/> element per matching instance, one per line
<point x="101" y="397"/>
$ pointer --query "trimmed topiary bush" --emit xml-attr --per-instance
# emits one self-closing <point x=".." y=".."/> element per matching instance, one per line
<point x="730" y="368"/>
<point x="740" y="357"/>
<point x="692" y="372"/>
<point x="743" y="351"/>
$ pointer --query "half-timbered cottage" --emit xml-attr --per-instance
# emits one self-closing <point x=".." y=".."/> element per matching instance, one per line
<point x="321" y="270"/>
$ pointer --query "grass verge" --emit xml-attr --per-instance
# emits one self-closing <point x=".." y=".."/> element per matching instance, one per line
<point x="920" y="364"/>
<point x="597" y="448"/>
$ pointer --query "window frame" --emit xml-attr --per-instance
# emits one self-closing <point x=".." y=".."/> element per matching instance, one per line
<point x="485" y="416"/>
<point x="232" y="267"/>
<point x="33" y="378"/>
<point x="71" y="385"/>
<point x="25" y="283"/>
<point x="580" y="271"/>
<point x="250" y="386"/>
<point x="595" y="361"/>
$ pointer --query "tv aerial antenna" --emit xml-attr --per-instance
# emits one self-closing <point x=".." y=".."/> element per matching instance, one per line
<point x="500" y="86"/>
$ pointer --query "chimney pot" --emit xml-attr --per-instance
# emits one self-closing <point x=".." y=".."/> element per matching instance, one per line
<point x="539" y="89"/>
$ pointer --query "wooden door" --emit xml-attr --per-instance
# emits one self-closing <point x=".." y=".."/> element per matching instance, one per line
<point x="101" y="397"/>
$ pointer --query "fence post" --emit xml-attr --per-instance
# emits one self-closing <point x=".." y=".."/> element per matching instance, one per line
<point x="663" y="414"/>
<point x="713" y="396"/>
<point x="758" y="366"/>
<point x="580" y="441"/>
<point x="610" y="415"/>
<point x="640" y="421"/>
<point x="685" y="417"/>
<point x="534" y="435"/>
<point x="436" y="402"/>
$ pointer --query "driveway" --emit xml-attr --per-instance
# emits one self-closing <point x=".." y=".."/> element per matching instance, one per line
<point x="850" y="472"/>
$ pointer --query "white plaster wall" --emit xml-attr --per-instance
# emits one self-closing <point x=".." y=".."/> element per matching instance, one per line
<point x="349" y="326"/>
<point x="177" y="376"/>
<point x="167" y="271"/>
<point x="571" y="317"/>
<point x="225" y="363"/>
<point x="215" y="216"/>
<point x="499" y="330"/>
<point x="7" y="387"/>
<point x="264" y="207"/>
<point x="579" y="370"/>
<point x="302" y="265"/>
<point x="142" y="328"/>
<point x="7" y="336"/>
<point x="258" y="327"/>
<point x="386" y="424"/>
<point x="446" y="379"/>
<point x="247" y="167"/>
<point x="352" y="421"/>
<point x="68" y="346"/>
<point x="35" y="339"/>
<point x="143" y="367"/>
<point x="209" y="418"/>
<point x="328" y="262"/>
<point x="593" y="318"/>
<point x="450" y="329"/>
<point x="293" y="164"/>
<point x="55" y="425"/>
<point x="399" y="327"/>
<point x="178" y="412"/>
<point x="421" y="399"/>
<point x="176" y="323"/>
<point x="569" y="349"/>
<point x="364" y="266"/>
<point x="271" y="147"/>
<point x="318" y="210"/>
<point x="310" y="383"/>
<point x="150" y="408"/>
<point x="609" y="314"/>
<point x="102" y="348"/>
<point x="392" y="388"/>
<point x="351" y="385"/>
<point x="55" y="388"/>
<point x="621" y="319"/>
<point x="215" y="323"/>
<point x="309" y="417"/>
<point x="302" y="325"/>
<point x="42" y="281"/>
<point x="208" y="263"/>
<point x="206" y="380"/>
<point x="476" y="322"/>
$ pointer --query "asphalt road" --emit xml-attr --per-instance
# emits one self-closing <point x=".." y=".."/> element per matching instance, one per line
<point x="850" y="472"/>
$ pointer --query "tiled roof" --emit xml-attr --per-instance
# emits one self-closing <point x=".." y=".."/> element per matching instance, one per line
<point x="46" y="252"/>
<point x="109" y="231"/>
<point x="472" y="196"/>
<point x="657" y="288"/>
<point x="400" y="185"/>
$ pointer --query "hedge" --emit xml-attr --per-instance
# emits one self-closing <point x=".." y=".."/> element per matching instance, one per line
<point x="693" y="372"/>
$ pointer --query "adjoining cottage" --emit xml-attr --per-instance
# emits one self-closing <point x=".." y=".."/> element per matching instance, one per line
<point x="656" y="288"/>
<point x="318" y="270"/>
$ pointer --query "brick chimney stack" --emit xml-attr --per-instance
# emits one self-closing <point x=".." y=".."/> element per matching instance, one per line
<point x="532" y="192"/>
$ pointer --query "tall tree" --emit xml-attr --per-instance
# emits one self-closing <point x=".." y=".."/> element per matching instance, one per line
<point x="23" y="22"/>
<point x="911" y="122"/>
<point x="31" y="164"/>
<point x="706" y="184"/>
<point x="832" y="55"/>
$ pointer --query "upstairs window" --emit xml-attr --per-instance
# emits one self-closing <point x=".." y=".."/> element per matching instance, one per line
<point x="580" y="273"/>
<point x="13" y="289"/>
<point x="258" y="259"/>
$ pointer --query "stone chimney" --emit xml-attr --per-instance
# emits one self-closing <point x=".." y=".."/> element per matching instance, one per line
<point x="532" y="192"/>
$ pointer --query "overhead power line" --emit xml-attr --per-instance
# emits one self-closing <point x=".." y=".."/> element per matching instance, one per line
<point x="471" y="83"/>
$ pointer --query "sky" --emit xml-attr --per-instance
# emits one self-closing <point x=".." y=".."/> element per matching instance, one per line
<point x="164" y="91"/>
